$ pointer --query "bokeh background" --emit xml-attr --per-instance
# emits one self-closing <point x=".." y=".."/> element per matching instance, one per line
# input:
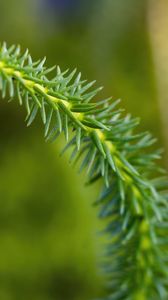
<point x="49" y="246"/>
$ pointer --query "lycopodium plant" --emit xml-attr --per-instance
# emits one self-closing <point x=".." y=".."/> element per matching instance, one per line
<point x="133" y="200"/>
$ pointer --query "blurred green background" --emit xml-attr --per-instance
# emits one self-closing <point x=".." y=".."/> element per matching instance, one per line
<point x="49" y="247"/>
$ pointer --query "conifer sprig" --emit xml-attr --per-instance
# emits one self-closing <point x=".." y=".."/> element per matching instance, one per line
<point x="133" y="202"/>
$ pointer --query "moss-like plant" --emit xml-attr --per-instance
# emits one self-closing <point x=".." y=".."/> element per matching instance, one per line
<point x="133" y="201"/>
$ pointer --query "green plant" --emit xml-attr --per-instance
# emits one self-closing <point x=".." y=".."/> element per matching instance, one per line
<point x="133" y="202"/>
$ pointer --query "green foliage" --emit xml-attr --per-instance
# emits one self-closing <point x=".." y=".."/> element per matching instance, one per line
<point x="132" y="201"/>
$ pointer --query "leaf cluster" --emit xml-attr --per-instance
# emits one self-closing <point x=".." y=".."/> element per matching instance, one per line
<point x="103" y="140"/>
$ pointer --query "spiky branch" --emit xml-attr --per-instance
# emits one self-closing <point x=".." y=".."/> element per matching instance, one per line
<point x="132" y="201"/>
